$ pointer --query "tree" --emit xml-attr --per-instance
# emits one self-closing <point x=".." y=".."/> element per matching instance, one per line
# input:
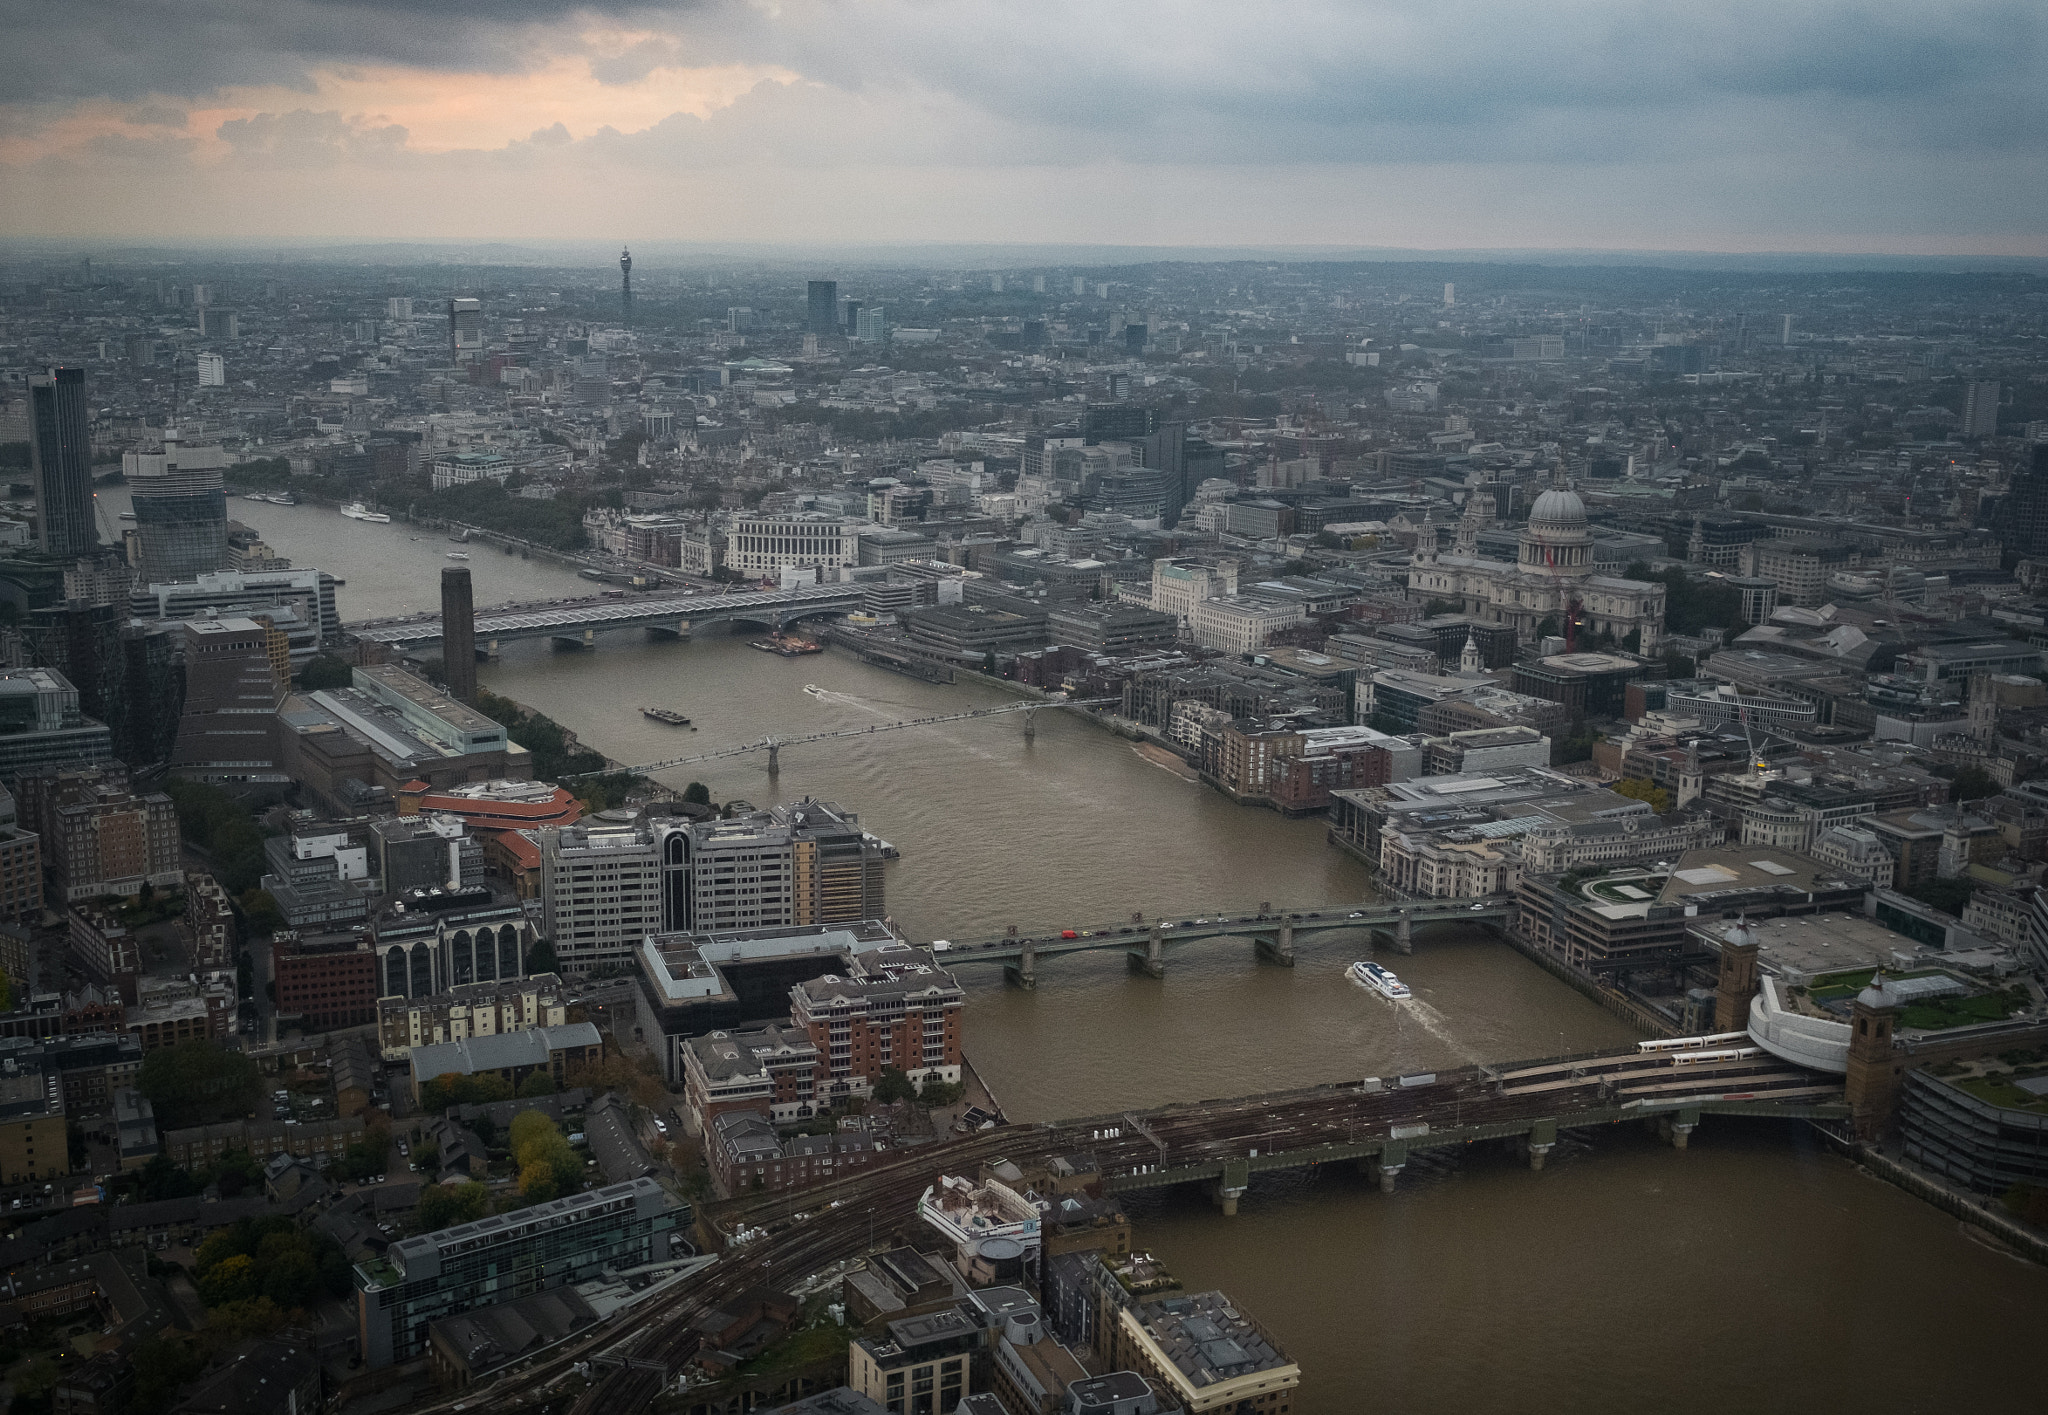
<point x="197" y="1081"/>
<point x="161" y="1365"/>
<point x="540" y="1083"/>
<point x="893" y="1086"/>
<point x="537" y="1182"/>
<point x="1638" y="788"/>
<point x="541" y="958"/>
<point x="1972" y="783"/>
<point x="935" y="1092"/>
<point x="445" y="1205"/>
<point x="232" y="1279"/>
<point x="697" y="794"/>
<point x="324" y="670"/>
<point x="1950" y="896"/>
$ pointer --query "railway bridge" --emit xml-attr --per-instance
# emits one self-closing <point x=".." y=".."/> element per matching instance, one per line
<point x="1377" y="1123"/>
<point x="577" y="623"/>
<point x="1272" y="931"/>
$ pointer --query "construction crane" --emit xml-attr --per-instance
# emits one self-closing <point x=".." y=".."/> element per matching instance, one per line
<point x="774" y="745"/>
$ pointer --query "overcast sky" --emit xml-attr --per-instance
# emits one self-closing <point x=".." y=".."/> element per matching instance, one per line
<point x="1738" y="125"/>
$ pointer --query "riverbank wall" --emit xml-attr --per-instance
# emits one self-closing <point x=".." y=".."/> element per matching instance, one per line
<point x="1973" y="1209"/>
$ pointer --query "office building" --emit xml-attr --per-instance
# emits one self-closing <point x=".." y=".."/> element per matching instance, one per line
<point x="42" y="729"/>
<point x="919" y="1365"/>
<point x="871" y="325"/>
<point x="822" y="312"/>
<point x="605" y="886"/>
<point x="694" y="983"/>
<point x="327" y="980"/>
<point x="213" y="371"/>
<point x="426" y="852"/>
<point x="227" y="729"/>
<point x="60" y="458"/>
<point x="21" y="872"/>
<point x="1208" y="1353"/>
<point x="465" y="330"/>
<point x="1980" y="409"/>
<point x="32" y="1143"/>
<point x="308" y="593"/>
<point x="764" y="545"/>
<point x="557" y="1244"/>
<point x="181" y="512"/>
<point x="430" y="941"/>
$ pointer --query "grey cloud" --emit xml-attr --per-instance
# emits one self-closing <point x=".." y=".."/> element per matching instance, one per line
<point x="155" y="115"/>
<point x="304" y="137"/>
<point x="125" y="49"/>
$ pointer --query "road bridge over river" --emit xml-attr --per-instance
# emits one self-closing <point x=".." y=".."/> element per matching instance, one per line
<point x="578" y="622"/>
<point x="1272" y="932"/>
<point x="1377" y="1124"/>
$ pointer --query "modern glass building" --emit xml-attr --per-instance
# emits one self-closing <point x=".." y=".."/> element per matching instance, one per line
<point x="506" y="1256"/>
<point x="181" y="518"/>
<point x="60" y="451"/>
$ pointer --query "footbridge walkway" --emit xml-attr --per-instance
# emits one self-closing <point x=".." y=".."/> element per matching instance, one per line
<point x="579" y="622"/>
<point x="1272" y="932"/>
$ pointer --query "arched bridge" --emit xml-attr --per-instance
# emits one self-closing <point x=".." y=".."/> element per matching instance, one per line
<point x="1272" y="931"/>
<point x="581" y="621"/>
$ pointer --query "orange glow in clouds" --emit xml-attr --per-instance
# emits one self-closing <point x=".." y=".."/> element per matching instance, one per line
<point x="439" y="111"/>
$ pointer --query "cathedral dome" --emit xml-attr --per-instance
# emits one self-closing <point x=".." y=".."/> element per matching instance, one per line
<point x="1558" y="509"/>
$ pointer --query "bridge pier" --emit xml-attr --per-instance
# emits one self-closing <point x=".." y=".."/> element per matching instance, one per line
<point x="1152" y="962"/>
<point x="1031" y="724"/>
<point x="1024" y="972"/>
<point x="1388" y="1164"/>
<point x="1542" y="1140"/>
<point x="1677" y="1129"/>
<point x="1278" y="946"/>
<point x="1404" y="935"/>
<point x="1231" y="1184"/>
<point x="774" y="758"/>
<point x="681" y="630"/>
<point x="490" y="651"/>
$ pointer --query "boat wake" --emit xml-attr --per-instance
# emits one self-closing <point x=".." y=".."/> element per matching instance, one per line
<point x="1438" y="1026"/>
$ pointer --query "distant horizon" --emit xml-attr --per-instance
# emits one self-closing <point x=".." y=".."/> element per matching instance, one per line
<point x="650" y="252"/>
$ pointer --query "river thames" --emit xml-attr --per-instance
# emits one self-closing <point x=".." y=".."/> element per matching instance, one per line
<point x="1753" y="1272"/>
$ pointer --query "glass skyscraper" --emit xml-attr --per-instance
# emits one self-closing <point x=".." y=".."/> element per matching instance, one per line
<point x="181" y="518"/>
<point x="60" y="451"/>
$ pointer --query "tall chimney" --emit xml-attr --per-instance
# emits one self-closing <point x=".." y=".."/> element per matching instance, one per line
<point x="458" y="633"/>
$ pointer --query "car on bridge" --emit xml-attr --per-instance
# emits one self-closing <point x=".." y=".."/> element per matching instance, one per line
<point x="1068" y="933"/>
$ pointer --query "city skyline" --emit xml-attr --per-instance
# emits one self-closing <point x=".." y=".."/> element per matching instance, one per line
<point x="1871" y="127"/>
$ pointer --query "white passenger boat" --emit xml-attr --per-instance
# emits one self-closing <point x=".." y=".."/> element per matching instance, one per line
<point x="1379" y="980"/>
<point x="356" y="511"/>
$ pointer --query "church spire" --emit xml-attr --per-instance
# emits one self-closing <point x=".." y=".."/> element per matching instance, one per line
<point x="1468" y="661"/>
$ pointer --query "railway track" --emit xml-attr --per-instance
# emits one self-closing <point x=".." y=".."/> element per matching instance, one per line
<point x="641" y="1349"/>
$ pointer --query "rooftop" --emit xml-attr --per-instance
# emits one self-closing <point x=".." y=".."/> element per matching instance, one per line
<point x="1207" y="1338"/>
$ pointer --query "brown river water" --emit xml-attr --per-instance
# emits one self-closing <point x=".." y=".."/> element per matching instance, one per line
<point x="1753" y="1272"/>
